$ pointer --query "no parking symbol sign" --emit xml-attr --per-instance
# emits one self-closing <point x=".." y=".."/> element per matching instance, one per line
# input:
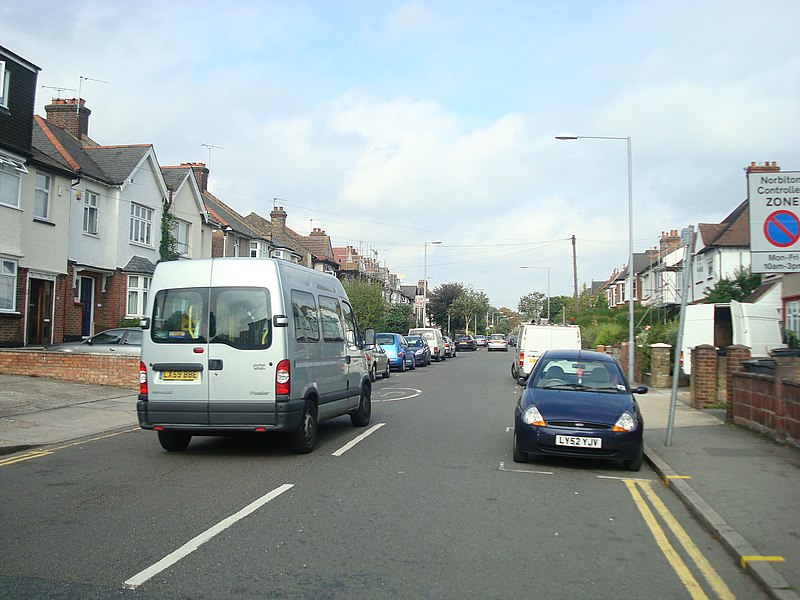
<point x="774" y="202"/>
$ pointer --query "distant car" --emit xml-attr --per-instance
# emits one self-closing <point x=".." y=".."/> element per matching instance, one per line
<point x="397" y="351"/>
<point x="466" y="342"/>
<point x="497" y="341"/>
<point x="449" y="347"/>
<point x="578" y="403"/>
<point x="421" y="350"/>
<point x="377" y="362"/>
<point x="122" y="340"/>
<point x="480" y="340"/>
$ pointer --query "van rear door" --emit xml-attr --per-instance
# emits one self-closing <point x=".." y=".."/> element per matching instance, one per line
<point x="176" y="356"/>
<point x="241" y="354"/>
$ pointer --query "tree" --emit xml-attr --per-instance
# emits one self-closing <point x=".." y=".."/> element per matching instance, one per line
<point x="468" y="306"/>
<point x="441" y="300"/>
<point x="736" y="288"/>
<point x="398" y="319"/>
<point x="532" y="305"/>
<point x="168" y="248"/>
<point x="368" y="303"/>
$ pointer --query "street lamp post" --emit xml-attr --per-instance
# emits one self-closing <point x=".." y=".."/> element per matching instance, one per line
<point x="425" y="285"/>
<point x="630" y="238"/>
<point x="548" y="286"/>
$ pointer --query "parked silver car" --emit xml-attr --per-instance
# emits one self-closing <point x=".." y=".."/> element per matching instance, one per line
<point x="122" y="340"/>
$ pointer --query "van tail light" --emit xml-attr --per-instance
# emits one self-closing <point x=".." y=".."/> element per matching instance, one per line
<point x="283" y="378"/>
<point x="142" y="379"/>
<point x="436" y="349"/>
<point x="521" y="357"/>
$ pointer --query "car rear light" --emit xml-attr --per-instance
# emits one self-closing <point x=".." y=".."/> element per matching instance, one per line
<point x="142" y="379"/>
<point x="283" y="378"/>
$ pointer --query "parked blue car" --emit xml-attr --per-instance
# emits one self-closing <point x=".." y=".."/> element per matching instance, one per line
<point x="400" y="356"/>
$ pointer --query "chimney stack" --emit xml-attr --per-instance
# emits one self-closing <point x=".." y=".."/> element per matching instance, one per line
<point x="71" y="115"/>
<point x="278" y="218"/>
<point x="767" y="167"/>
<point x="200" y="173"/>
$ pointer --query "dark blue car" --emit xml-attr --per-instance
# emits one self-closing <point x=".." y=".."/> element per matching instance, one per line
<point x="400" y="355"/>
<point x="578" y="403"/>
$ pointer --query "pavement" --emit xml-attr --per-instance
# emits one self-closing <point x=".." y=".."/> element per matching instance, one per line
<point x="744" y="488"/>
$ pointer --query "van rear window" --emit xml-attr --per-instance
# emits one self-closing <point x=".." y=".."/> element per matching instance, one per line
<point x="234" y="316"/>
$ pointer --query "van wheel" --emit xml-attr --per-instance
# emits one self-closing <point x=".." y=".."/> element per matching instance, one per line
<point x="174" y="441"/>
<point x="360" y="418"/>
<point x="303" y="440"/>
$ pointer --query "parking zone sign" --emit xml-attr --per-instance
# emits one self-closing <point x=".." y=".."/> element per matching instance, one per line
<point x="774" y="221"/>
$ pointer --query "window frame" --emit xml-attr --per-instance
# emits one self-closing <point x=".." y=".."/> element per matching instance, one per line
<point x="91" y="209"/>
<point x="140" y="289"/>
<point x="182" y="245"/>
<point x="140" y="230"/>
<point x="12" y="277"/>
<point x="5" y="84"/>
<point x="45" y="192"/>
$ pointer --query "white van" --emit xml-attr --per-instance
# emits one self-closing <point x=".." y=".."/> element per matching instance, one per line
<point x="533" y="340"/>
<point x="243" y="345"/>
<point x="435" y="340"/>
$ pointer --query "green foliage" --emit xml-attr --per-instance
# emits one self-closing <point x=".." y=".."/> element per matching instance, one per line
<point x="533" y="305"/>
<point x="440" y="301"/>
<point x="399" y="319"/>
<point x="128" y="322"/>
<point x="659" y="333"/>
<point x="610" y="333"/>
<point x="368" y="303"/>
<point x="736" y="288"/>
<point x="168" y="248"/>
<point x="468" y="306"/>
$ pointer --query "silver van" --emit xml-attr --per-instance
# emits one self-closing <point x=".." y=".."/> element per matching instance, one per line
<point x="243" y="345"/>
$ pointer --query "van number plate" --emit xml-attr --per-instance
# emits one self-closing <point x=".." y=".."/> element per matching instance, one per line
<point x="579" y="442"/>
<point x="179" y="375"/>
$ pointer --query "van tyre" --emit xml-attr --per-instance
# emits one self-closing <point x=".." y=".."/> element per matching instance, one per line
<point x="303" y="440"/>
<point x="362" y="415"/>
<point x="174" y="441"/>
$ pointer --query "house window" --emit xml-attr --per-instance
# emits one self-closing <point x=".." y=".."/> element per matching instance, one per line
<point x="8" y="285"/>
<point x="5" y="81"/>
<point x="9" y="184"/>
<point x="236" y="247"/>
<point x="793" y="317"/>
<point x="41" y="203"/>
<point x="90" y="213"/>
<point x="710" y="268"/>
<point x="138" y="287"/>
<point x="258" y="250"/>
<point x="181" y="232"/>
<point x="141" y="224"/>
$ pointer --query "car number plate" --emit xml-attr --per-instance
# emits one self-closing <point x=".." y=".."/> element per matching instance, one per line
<point x="179" y="375"/>
<point x="578" y="442"/>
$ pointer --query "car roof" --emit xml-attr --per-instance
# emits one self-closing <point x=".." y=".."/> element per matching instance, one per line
<point x="572" y="354"/>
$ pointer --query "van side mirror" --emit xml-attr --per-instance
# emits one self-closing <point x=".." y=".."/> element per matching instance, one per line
<point x="369" y="337"/>
<point x="521" y="381"/>
<point x="144" y="322"/>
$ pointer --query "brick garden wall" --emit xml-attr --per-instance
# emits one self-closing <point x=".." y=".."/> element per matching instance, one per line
<point x="102" y="369"/>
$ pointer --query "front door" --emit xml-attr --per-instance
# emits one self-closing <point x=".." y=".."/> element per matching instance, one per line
<point x="87" y="301"/>
<point x="40" y="302"/>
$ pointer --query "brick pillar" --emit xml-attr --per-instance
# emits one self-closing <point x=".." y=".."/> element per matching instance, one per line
<point x="736" y="356"/>
<point x="704" y="376"/>
<point x="659" y="365"/>
<point x="784" y="369"/>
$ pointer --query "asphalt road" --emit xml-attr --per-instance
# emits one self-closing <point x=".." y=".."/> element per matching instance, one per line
<point x="427" y="503"/>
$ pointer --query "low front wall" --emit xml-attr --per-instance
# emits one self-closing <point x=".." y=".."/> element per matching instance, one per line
<point x="118" y="369"/>
<point x="756" y="405"/>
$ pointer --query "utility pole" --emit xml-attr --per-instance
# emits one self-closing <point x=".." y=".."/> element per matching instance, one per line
<point x="575" y="276"/>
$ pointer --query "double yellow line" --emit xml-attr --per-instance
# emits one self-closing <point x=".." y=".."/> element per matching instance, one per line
<point x="637" y="488"/>
<point x="17" y="458"/>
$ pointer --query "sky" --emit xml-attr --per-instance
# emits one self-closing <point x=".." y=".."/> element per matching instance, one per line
<point x="393" y="124"/>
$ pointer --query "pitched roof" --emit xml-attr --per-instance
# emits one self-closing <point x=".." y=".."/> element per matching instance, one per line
<point x="227" y="217"/>
<point x="733" y="231"/>
<point x="118" y="162"/>
<point x="138" y="264"/>
<point x="288" y="239"/>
